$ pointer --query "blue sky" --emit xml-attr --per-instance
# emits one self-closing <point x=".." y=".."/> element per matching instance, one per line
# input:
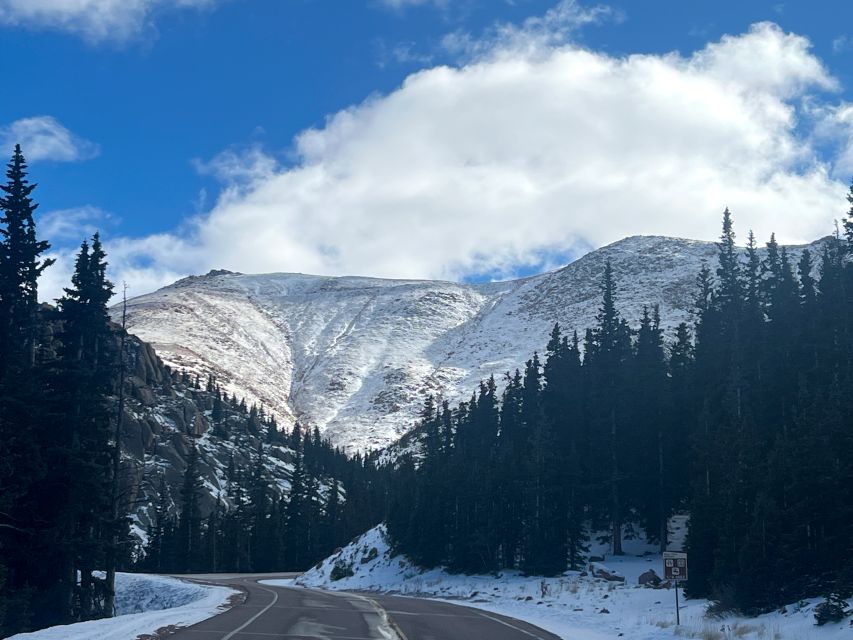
<point x="156" y="119"/>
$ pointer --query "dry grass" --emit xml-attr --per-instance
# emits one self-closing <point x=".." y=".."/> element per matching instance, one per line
<point x="739" y="630"/>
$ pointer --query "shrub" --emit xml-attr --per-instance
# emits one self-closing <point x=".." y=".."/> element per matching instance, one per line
<point x="371" y="555"/>
<point x="833" y="609"/>
<point x="340" y="571"/>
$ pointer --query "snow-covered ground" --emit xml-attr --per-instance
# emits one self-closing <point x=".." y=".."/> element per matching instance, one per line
<point x="144" y="603"/>
<point x="575" y="606"/>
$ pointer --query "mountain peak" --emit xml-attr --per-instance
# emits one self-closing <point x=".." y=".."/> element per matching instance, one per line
<point x="356" y="357"/>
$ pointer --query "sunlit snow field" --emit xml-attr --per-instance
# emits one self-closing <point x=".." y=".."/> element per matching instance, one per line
<point x="573" y="606"/>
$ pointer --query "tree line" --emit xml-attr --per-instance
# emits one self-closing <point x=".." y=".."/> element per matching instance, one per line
<point x="64" y="526"/>
<point x="57" y="479"/>
<point x="254" y="525"/>
<point x="741" y="419"/>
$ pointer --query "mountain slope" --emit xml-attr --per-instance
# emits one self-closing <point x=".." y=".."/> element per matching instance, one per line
<point x="357" y="356"/>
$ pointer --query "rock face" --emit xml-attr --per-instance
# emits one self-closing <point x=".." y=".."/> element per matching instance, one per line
<point x="163" y="418"/>
<point x="356" y="357"/>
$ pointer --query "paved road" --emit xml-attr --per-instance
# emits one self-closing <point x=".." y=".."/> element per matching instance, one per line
<point x="294" y="613"/>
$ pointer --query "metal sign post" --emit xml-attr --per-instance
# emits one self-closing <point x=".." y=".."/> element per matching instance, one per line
<point x="675" y="569"/>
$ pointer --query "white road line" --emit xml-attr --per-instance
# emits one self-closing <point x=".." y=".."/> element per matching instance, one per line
<point x="511" y="626"/>
<point x="387" y="626"/>
<point x="256" y="616"/>
<point x="434" y="614"/>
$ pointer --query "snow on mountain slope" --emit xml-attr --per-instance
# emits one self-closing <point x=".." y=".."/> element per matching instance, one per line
<point x="357" y="356"/>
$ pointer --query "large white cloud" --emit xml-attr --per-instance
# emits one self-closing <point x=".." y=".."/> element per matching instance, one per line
<point x="531" y="148"/>
<point x="95" y="20"/>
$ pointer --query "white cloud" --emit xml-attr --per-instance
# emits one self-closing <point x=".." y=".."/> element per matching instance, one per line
<point x="73" y="224"/>
<point x="535" y="34"/>
<point x="403" y="4"/>
<point x="833" y="127"/>
<point x="95" y="20"/>
<point x="57" y="276"/>
<point x="244" y="167"/>
<point x="405" y="53"/>
<point x="841" y="43"/>
<point x="44" y="138"/>
<point x="527" y="150"/>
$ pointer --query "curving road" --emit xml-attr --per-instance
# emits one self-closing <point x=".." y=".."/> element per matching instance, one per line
<point x="296" y="613"/>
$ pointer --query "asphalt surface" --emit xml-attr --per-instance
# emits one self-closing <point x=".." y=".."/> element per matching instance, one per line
<point x="296" y="613"/>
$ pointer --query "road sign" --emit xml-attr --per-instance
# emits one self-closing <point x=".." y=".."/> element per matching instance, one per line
<point x="674" y="565"/>
<point x="675" y="569"/>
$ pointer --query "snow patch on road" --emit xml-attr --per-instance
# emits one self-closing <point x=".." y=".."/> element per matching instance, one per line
<point x="144" y="603"/>
<point x="573" y="605"/>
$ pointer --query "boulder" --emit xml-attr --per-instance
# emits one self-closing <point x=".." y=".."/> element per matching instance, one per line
<point x="605" y="574"/>
<point x="649" y="579"/>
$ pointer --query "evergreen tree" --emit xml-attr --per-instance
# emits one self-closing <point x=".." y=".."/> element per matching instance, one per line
<point x="189" y="524"/>
<point x="608" y="350"/>
<point x="21" y="264"/>
<point x="83" y="457"/>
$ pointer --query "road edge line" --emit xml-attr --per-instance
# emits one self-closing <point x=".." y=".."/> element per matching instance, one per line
<point x="254" y="617"/>
<point x="507" y="624"/>
<point x="383" y="613"/>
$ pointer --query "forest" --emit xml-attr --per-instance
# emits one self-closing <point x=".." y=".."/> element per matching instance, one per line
<point x="251" y="528"/>
<point x="741" y="419"/>
<point x="64" y="525"/>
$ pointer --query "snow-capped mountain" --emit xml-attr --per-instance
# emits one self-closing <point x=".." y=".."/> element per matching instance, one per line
<point x="357" y="356"/>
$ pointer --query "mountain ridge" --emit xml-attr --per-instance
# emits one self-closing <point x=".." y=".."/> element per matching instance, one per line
<point x="356" y="356"/>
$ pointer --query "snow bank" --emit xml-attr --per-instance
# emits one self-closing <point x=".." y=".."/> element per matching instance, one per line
<point x="573" y="605"/>
<point x="144" y="604"/>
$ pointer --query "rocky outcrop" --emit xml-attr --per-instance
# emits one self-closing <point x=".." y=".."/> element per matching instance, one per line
<point x="164" y="417"/>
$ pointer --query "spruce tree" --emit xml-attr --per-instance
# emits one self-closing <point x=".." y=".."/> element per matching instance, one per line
<point x="21" y="264"/>
<point x="189" y="522"/>
<point x="608" y="349"/>
<point x="83" y="383"/>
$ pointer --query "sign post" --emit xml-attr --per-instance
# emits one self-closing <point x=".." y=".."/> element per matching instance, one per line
<point x="675" y="569"/>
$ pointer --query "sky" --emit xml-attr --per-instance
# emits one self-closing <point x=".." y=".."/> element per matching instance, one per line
<point x="467" y="140"/>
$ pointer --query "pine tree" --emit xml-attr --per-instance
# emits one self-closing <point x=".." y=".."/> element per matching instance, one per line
<point x="650" y="435"/>
<point x="22" y="402"/>
<point x="296" y="516"/>
<point x="511" y="480"/>
<point x="21" y="265"/>
<point x="154" y="551"/>
<point x="730" y="288"/>
<point x="189" y="522"/>
<point x="260" y="533"/>
<point x="83" y="383"/>
<point x="607" y="351"/>
<point x="848" y="223"/>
